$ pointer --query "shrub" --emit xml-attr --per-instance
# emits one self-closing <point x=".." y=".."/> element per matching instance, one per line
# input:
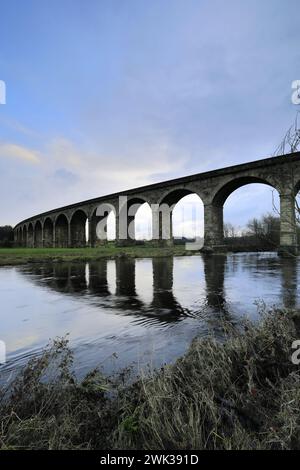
<point x="239" y="393"/>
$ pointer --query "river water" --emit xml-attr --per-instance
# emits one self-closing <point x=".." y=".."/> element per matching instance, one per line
<point x="138" y="312"/>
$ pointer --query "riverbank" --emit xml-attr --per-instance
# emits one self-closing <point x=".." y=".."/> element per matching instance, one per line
<point x="16" y="256"/>
<point x="243" y="393"/>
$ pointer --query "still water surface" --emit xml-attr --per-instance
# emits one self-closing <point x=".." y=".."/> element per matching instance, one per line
<point x="135" y="312"/>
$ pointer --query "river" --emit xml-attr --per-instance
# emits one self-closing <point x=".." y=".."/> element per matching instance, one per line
<point x="138" y="312"/>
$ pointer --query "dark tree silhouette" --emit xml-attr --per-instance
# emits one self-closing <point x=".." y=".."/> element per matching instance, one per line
<point x="6" y="236"/>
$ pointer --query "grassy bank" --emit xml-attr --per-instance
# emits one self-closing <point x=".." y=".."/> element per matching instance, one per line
<point x="240" y="394"/>
<point x="15" y="256"/>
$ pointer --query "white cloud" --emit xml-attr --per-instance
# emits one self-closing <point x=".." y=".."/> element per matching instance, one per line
<point x="71" y="172"/>
<point x="10" y="150"/>
<point x="116" y="170"/>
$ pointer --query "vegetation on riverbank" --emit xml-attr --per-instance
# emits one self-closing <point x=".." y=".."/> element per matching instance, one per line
<point x="6" y="236"/>
<point x="15" y="256"/>
<point x="242" y="393"/>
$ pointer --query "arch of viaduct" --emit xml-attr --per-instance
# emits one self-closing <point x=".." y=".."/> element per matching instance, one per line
<point x="66" y="226"/>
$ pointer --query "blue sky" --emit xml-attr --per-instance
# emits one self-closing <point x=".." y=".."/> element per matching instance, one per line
<point x="104" y="95"/>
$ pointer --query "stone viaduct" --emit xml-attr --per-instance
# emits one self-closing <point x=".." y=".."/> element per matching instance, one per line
<point x="66" y="226"/>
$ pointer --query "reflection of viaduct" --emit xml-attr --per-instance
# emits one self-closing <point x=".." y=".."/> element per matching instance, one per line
<point x="92" y="279"/>
<point x="66" y="226"/>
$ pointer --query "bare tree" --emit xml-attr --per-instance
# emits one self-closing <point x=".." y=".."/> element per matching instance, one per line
<point x="229" y="230"/>
<point x="291" y="141"/>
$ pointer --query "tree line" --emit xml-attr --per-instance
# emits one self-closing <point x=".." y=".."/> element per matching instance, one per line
<point x="260" y="233"/>
<point x="6" y="236"/>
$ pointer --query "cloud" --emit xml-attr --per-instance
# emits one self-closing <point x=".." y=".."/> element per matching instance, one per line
<point x="66" y="177"/>
<point x="9" y="150"/>
<point x="18" y="127"/>
<point x="73" y="170"/>
<point x="115" y="169"/>
<point x="63" y="151"/>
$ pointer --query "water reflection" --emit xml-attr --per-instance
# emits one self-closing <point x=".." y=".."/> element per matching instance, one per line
<point x="289" y="282"/>
<point x="164" y="300"/>
<point x="214" y="269"/>
<point x="91" y="281"/>
<point x="141" y="309"/>
<point x="170" y="289"/>
<point x="97" y="275"/>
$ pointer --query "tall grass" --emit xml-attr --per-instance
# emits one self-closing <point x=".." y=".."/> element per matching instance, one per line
<point x="242" y="393"/>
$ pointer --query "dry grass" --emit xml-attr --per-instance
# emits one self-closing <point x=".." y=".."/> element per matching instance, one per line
<point x="243" y="393"/>
<point x="47" y="408"/>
